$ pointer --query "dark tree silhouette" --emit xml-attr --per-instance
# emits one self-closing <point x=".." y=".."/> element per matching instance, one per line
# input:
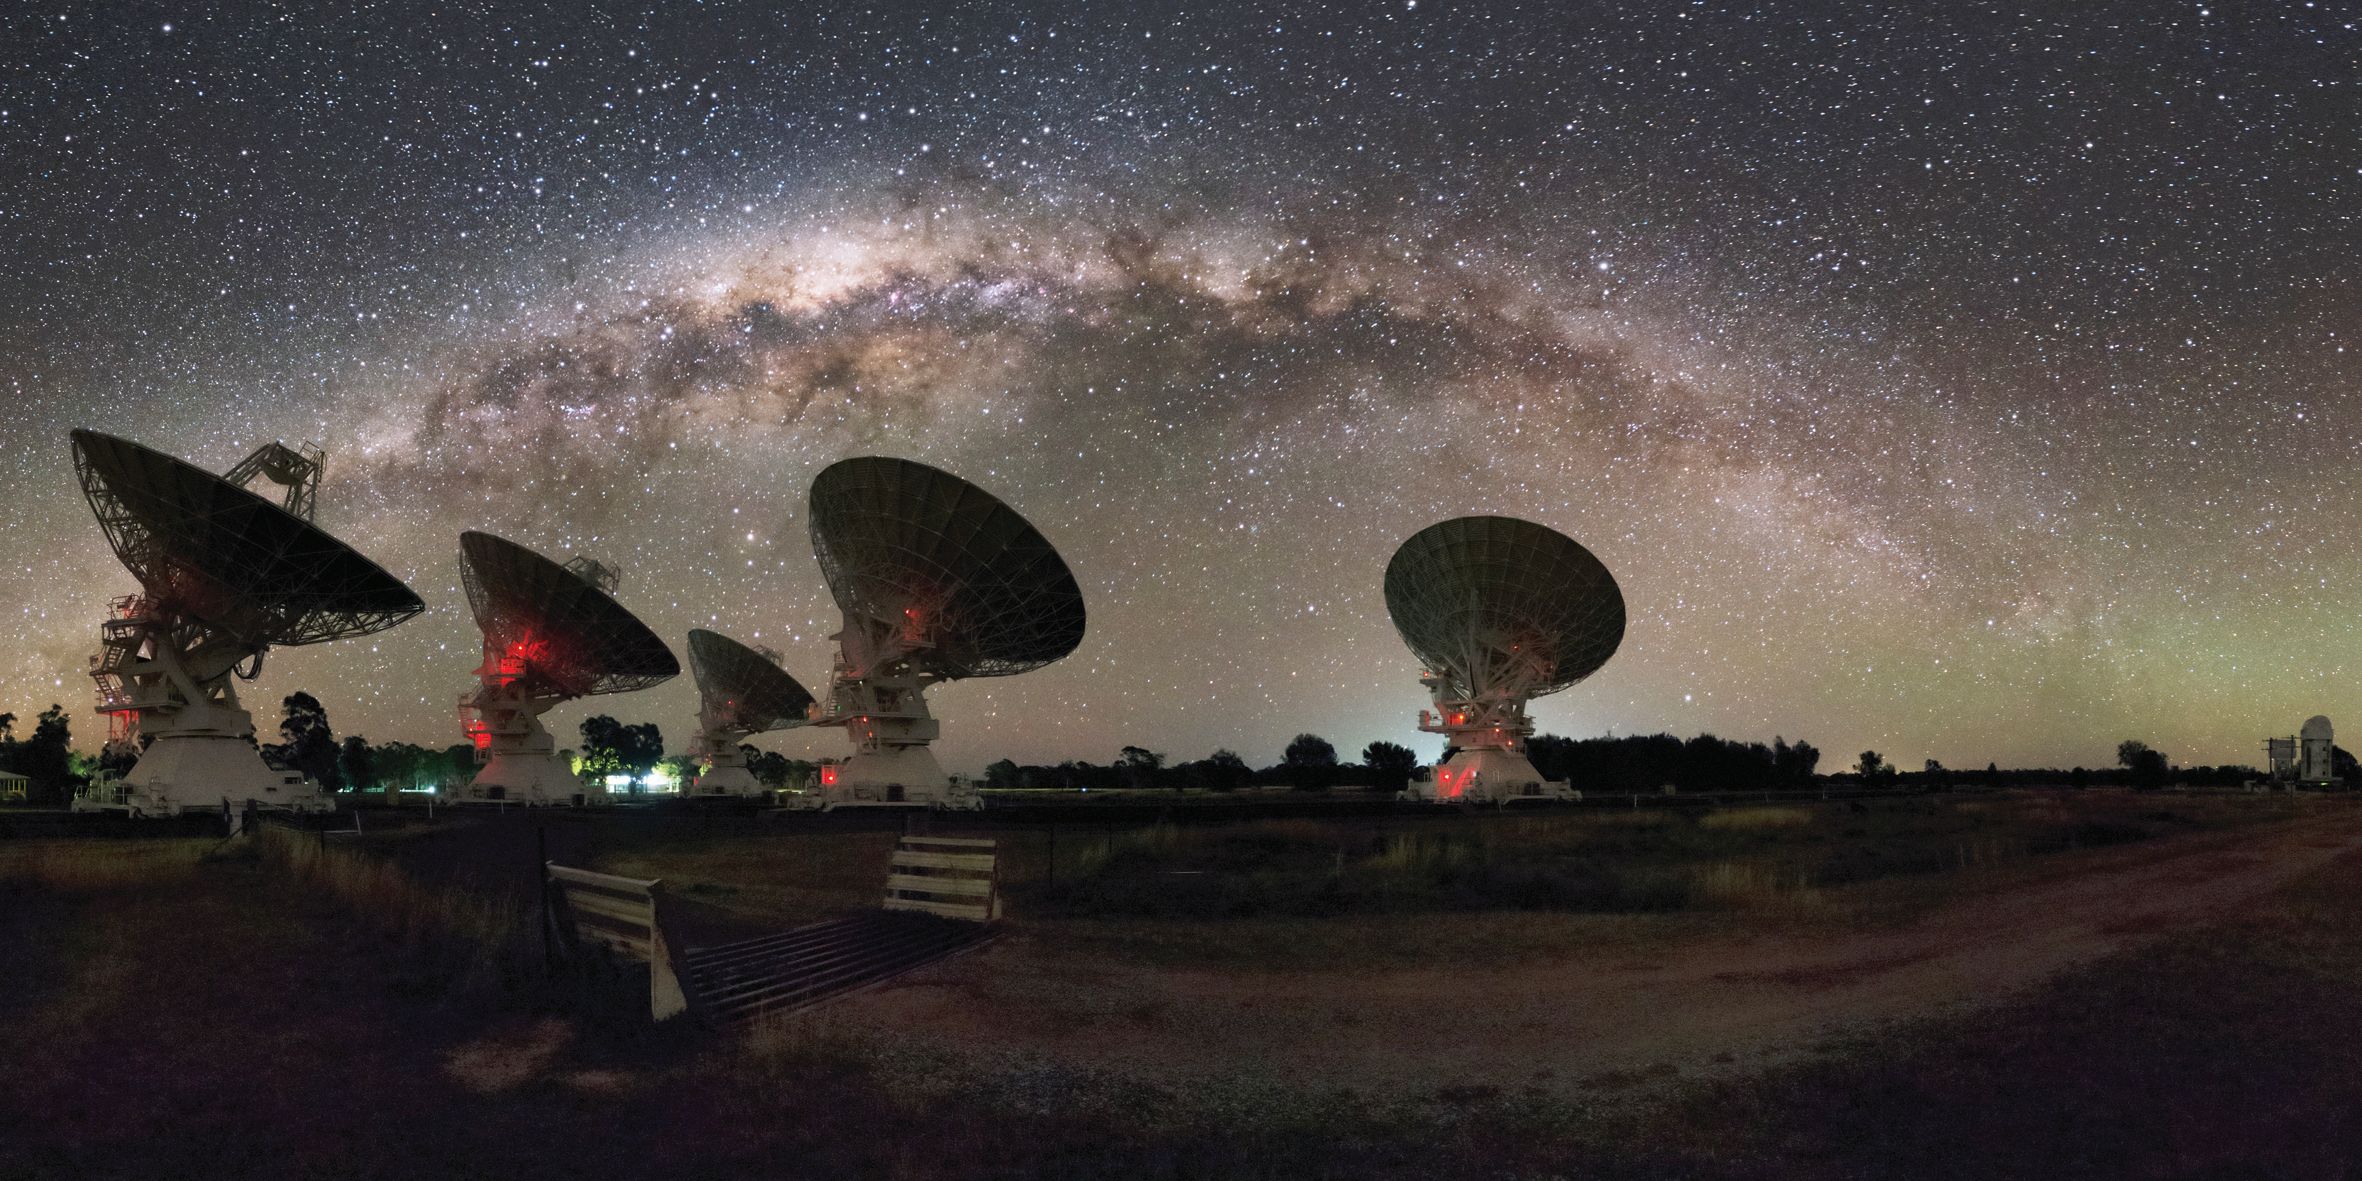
<point x="1645" y="763"/>
<point x="358" y="761"/>
<point x="1390" y="765"/>
<point x="45" y="759"/>
<point x="772" y="769"/>
<point x="611" y="748"/>
<point x="403" y="766"/>
<point x="2146" y="768"/>
<point x="1140" y="766"/>
<point x="1872" y="768"/>
<point x="1223" y="770"/>
<point x="1310" y="763"/>
<point x="118" y="758"/>
<point x="1792" y="766"/>
<point x="458" y="764"/>
<point x="307" y="744"/>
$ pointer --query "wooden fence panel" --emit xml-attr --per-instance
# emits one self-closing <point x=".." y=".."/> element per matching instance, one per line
<point x="954" y="877"/>
<point x="621" y="914"/>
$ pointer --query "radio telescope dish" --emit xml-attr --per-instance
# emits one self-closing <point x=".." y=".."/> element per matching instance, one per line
<point x="938" y="580"/>
<point x="561" y="621"/>
<point x="1501" y="611"/>
<point x="257" y="573"/>
<point x="552" y="633"/>
<point x="224" y="575"/>
<point x="951" y="578"/>
<point x="741" y="691"/>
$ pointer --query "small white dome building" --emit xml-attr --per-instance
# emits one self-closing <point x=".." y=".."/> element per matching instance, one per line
<point x="2313" y="760"/>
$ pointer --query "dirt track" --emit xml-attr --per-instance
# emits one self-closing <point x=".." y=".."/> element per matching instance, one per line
<point x="1695" y="1006"/>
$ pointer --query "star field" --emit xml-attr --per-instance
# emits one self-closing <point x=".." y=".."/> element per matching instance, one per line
<point x="1960" y="382"/>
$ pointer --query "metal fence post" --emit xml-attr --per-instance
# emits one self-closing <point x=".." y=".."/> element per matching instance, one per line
<point x="549" y="950"/>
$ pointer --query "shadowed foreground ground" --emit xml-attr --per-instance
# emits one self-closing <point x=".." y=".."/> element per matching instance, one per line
<point x="1718" y="1002"/>
<point x="205" y="1017"/>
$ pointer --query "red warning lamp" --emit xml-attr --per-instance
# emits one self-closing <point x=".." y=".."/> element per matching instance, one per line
<point x="828" y="776"/>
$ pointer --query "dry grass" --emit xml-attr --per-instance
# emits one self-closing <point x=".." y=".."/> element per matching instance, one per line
<point x="1408" y="890"/>
<point x="1764" y="859"/>
<point x="1419" y="852"/>
<point x="768" y="878"/>
<point x="1751" y="886"/>
<point x="83" y="866"/>
<point x="457" y="940"/>
<point x="1766" y="817"/>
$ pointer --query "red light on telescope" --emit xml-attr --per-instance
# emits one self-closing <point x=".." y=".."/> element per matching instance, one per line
<point x="828" y="777"/>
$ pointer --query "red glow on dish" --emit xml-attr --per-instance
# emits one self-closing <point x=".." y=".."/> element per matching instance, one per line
<point x="518" y="657"/>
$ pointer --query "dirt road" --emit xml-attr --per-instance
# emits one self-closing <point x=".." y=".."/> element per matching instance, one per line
<point x="1725" y="1002"/>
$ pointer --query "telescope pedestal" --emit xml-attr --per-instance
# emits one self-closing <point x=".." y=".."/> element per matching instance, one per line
<point x="729" y="781"/>
<point x="888" y="721"/>
<point x="725" y="765"/>
<point x="1488" y="776"/>
<point x="201" y="752"/>
<point x="894" y="777"/>
<point x="526" y="777"/>
<point x="521" y="763"/>
<point x="199" y="772"/>
<point x="1488" y="763"/>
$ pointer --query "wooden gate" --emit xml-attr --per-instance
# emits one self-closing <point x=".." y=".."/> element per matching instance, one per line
<point x="619" y="914"/>
<point x="942" y="895"/>
<point x="949" y="877"/>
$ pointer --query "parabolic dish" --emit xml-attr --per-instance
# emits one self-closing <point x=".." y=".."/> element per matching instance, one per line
<point x="745" y="685"/>
<point x="570" y="637"/>
<point x="218" y="553"/>
<point x="1503" y="605"/>
<point x="977" y="590"/>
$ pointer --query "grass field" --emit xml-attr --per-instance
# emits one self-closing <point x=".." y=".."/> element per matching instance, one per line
<point x="189" y="1008"/>
<point x="1409" y="889"/>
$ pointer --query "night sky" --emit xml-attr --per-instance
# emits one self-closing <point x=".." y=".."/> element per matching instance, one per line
<point x="1961" y="380"/>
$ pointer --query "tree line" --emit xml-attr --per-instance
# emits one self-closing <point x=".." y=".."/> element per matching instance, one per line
<point x="1311" y="763"/>
<point x="1613" y="765"/>
<point x="45" y="756"/>
<point x="308" y="744"/>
